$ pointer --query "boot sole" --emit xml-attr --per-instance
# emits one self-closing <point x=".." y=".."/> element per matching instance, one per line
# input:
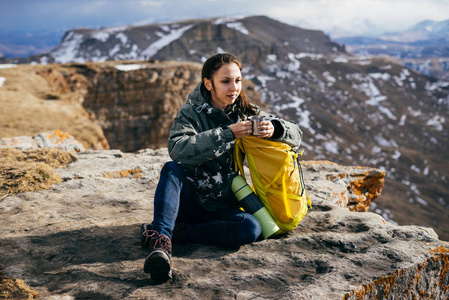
<point x="157" y="264"/>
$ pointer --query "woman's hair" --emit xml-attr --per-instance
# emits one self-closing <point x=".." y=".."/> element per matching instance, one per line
<point x="213" y="64"/>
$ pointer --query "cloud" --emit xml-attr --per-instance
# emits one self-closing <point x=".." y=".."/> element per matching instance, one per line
<point x="151" y="3"/>
<point x="349" y="14"/>
<point x="315" y="14"/>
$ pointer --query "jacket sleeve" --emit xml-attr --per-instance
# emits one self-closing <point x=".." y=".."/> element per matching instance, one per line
<point x="284" y="131"/>
<point x="190" y="146"/>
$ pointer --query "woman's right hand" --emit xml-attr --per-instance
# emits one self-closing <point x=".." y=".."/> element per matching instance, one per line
<point x="242" y="129"/>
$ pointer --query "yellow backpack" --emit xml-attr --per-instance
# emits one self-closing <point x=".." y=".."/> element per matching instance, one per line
<point x="277" y="179"/>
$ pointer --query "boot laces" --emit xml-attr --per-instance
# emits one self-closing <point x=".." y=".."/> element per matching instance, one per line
<point x="158" y="241"/>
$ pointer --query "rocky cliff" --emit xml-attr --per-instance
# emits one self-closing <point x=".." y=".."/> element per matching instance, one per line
<point x="136" y="108"/>
<point x="131" y="105"/>
<point x="80" y="239"/>
<point x="135" y="104"/>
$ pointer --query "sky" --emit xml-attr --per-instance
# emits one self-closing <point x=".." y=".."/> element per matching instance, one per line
<point x="356" y="16"/>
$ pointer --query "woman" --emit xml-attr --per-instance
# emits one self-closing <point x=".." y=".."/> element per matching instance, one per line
<point x="194" y="190"/>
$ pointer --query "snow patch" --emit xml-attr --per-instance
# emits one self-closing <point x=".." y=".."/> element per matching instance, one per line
<point x="313" y="56"/>
<point x="112" y="30"/>
<point x="295" y="64"/>
<point x="224" y="20"/>
<point x="415" y="169"/>
<point x="263" y="80"/>
<point x="101" y="36"/>
<point x="376" y="150"/>
<point x="402" y="77"/>
<point x="341" y="59"/>
<point x="7" y="66"/>
<point x="402" y="121"/>
<point x="238" y="26"/>
<point x="414" y="113"/>
<point x="303" y="115"/>
<point x="114" y="50"/>
<point x="165" y="40"/>
<point x="272" y="57"/>
<point x="331" y="146"/>
<point x="363" y="62"/>
<point x="130" y="67"/>
<point x="422" y="201"/>
<point x="69" y="48"/>
<point x="396" y="155"/>
<point x="2" y="81"/>
<point x="436" y="122"/>
<point x="436" y="85"/>
<point x="370" y="89"/>
<point x="385" y="143"/>
<point x="122" y="37"/>
<point x="387" y="112"/>
<point x="329" y="77"/>
<point x="383" y="76"/>
<point x="165" y="27"/>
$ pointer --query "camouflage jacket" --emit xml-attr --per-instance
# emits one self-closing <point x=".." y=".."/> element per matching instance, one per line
<point x="201" y="141"/>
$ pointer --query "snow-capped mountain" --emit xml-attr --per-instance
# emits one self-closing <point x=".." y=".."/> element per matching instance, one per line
<point x="358" y="27"/>
<point x="353" y="110"/>
<point x="423" y="47"/>
<point x="423" y="31"/>
<point x="159" y="41"/>
<point x="424" y="40"/>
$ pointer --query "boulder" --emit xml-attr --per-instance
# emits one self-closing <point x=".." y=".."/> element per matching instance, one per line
<point x="81" y="239"/>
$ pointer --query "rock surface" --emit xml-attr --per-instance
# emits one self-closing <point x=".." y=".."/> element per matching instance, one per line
<point x="80" y="239"/>
<point x="50" y="139"/>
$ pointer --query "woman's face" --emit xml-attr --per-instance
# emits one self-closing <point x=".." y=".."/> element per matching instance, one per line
<point x="225" y="86"/>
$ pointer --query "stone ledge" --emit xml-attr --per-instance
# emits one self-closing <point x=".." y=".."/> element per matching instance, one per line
<point x="81" y="238"/>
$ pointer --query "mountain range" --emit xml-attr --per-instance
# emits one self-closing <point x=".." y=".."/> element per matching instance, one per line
<point x="423" y="47"/>
<point x="370" y="111"/>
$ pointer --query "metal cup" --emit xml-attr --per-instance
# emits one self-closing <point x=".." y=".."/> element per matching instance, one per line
<point x="256" y="121"/>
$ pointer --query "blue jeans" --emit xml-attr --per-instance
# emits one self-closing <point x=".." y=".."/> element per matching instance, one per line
<point x="174" y="202"/>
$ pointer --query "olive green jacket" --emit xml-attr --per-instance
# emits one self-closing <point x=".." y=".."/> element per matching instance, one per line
<point x="202" y="142"/>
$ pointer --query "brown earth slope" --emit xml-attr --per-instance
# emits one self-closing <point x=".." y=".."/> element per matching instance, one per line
<point x="30" y="105"/>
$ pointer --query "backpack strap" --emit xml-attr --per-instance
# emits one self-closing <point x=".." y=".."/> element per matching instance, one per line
<point x="239" y="154"/>
<point x="301" y="178"/>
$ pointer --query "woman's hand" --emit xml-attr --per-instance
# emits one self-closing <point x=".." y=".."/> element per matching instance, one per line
<point x="266" y="129"/>
<point x="241" y="129"/>
<point x="245" y="128"/>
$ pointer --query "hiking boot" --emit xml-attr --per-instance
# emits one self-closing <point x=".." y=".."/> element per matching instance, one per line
<point x="179" y="234"/>
<point x="158" y="260"/>
<point x="144" y="239"/>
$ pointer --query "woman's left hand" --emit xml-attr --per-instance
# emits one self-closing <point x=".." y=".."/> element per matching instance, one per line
<point x="266" y="129"/>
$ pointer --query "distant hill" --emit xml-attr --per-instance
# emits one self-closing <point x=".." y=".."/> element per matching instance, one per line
<point x="423" y="47"/>
<point x="428" y="30"/>
<point x="370" y="111"/>
<point x="22" y="44"/>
